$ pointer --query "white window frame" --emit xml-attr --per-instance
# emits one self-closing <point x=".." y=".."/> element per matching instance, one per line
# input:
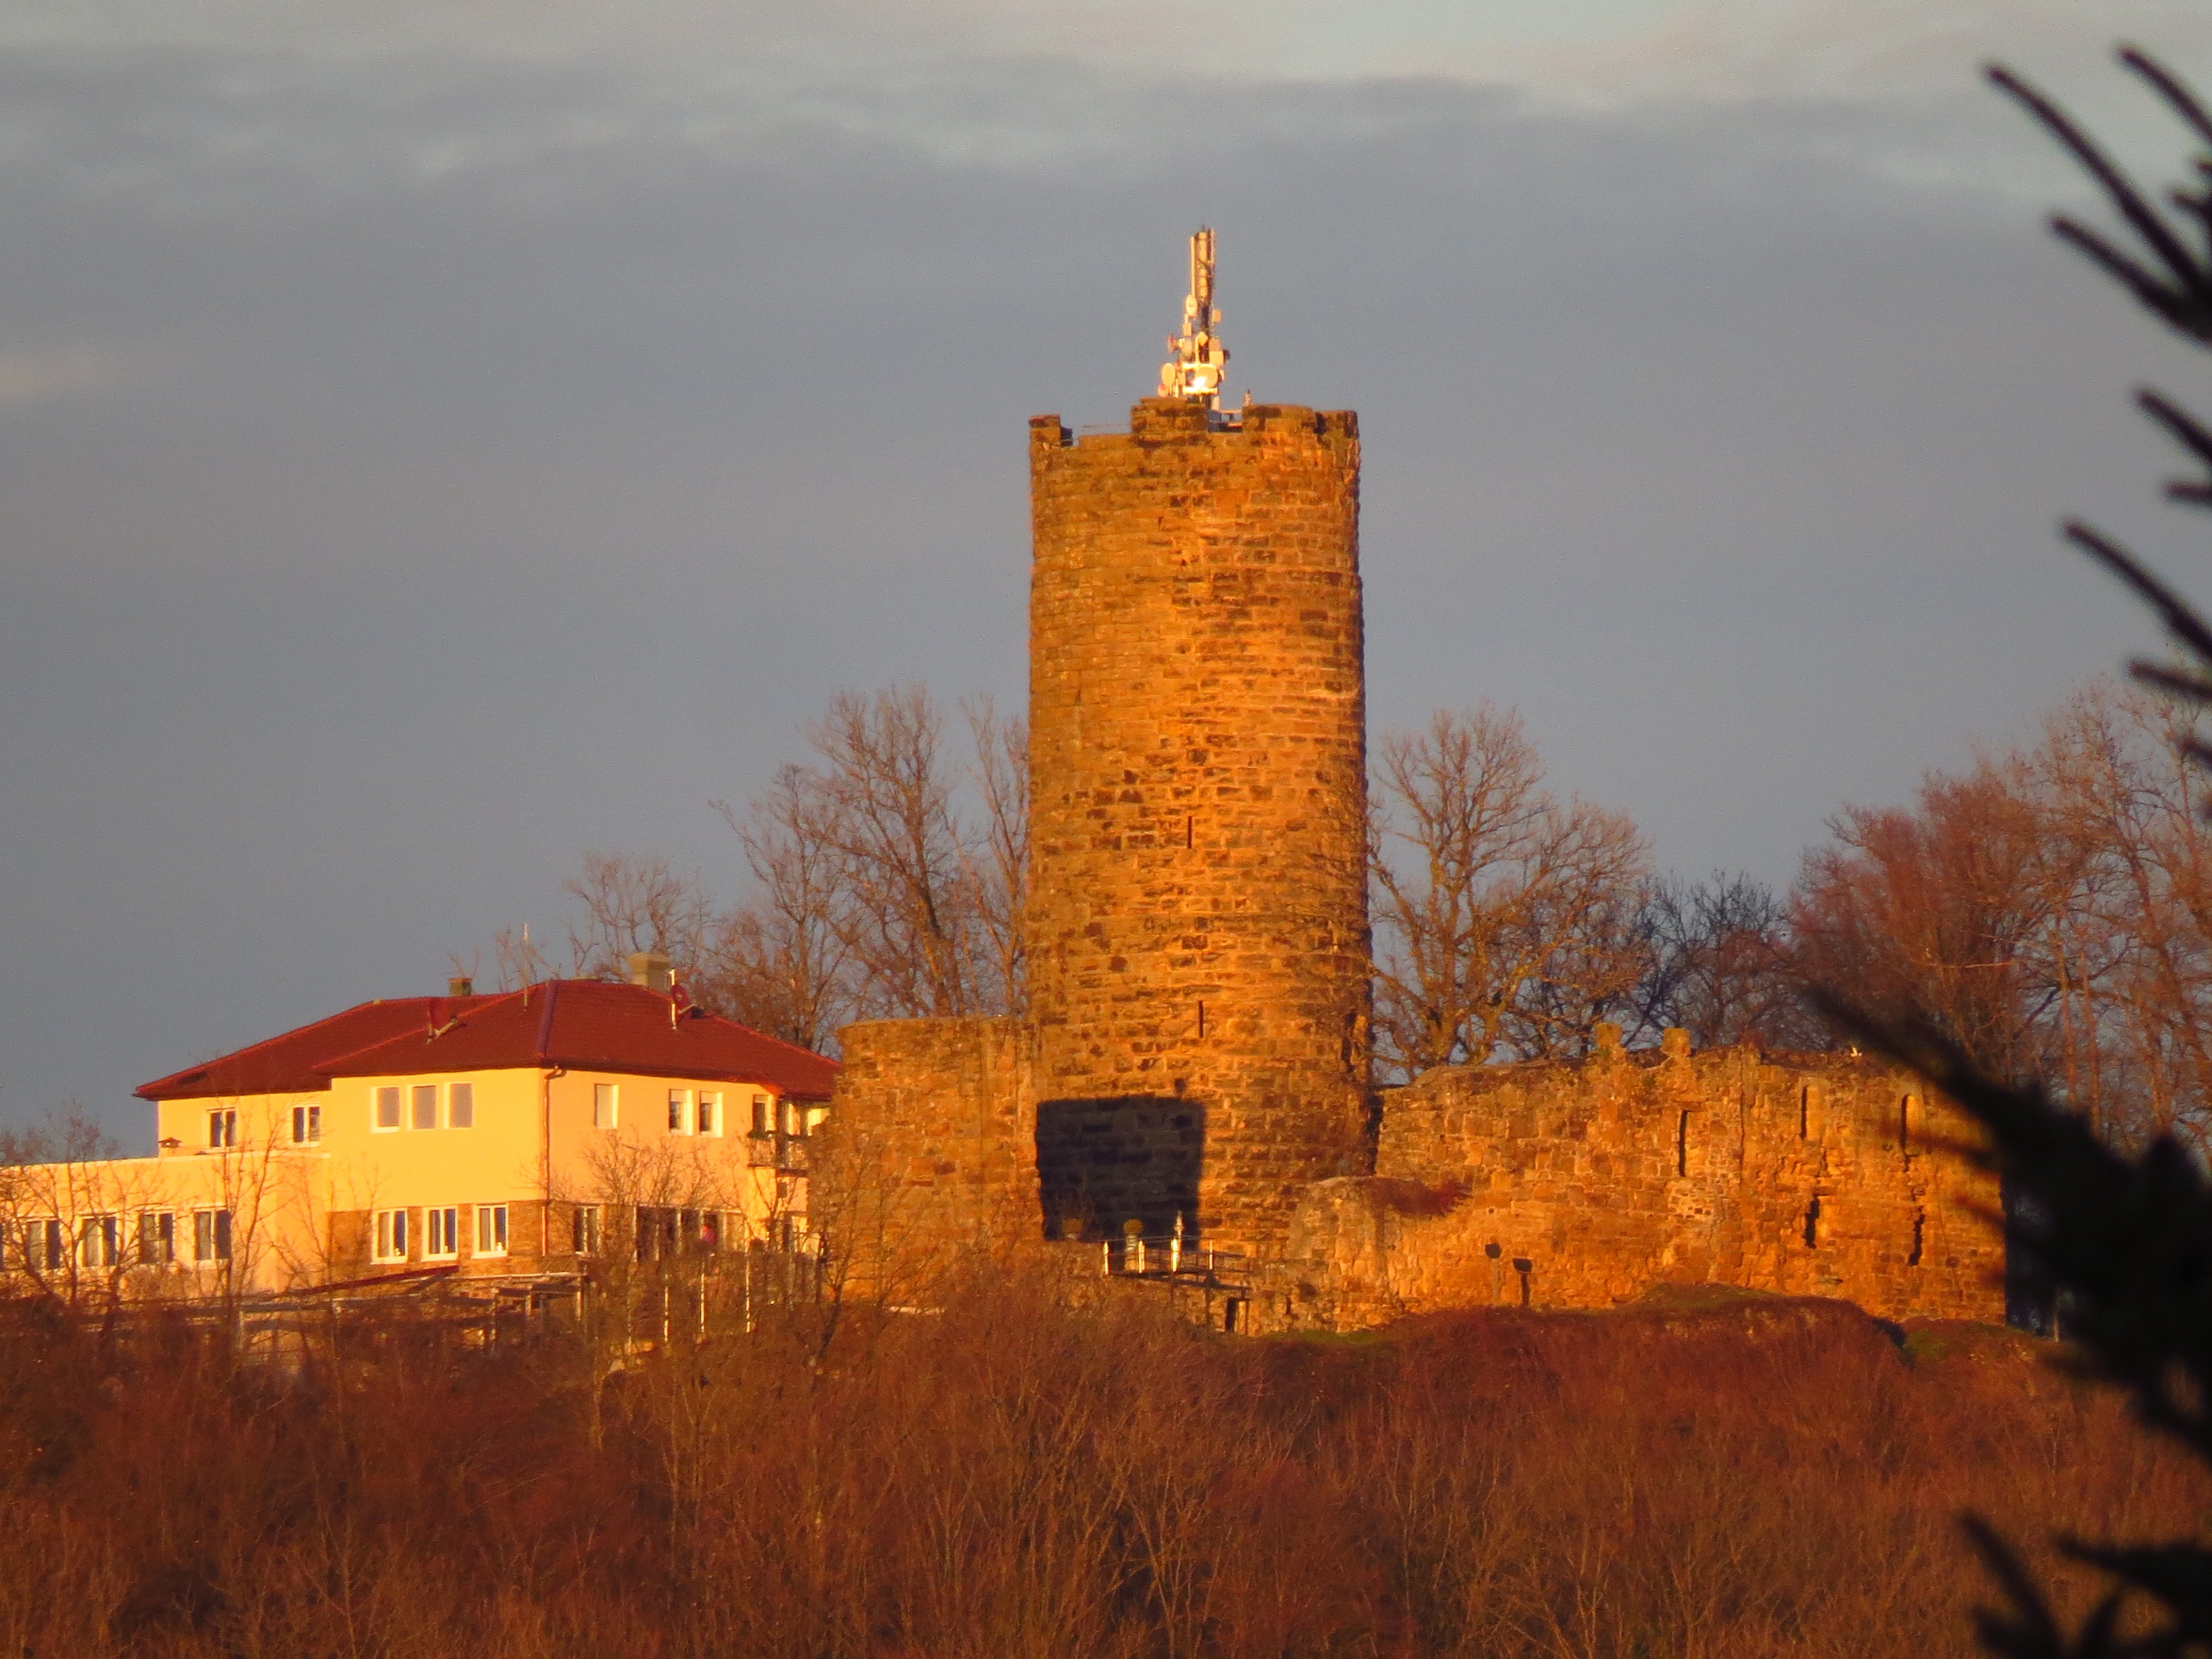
<point x="442" y="1229"/>
<point x="157" y="1238"/>
<point x="491" y="1232"/>
<point x="606" y="1105"/>
<point x="307" y="1123"/>
<point x="99" y="1242"/>
<point x="222" y="1128"/>
<point x="416" y="1092"/>
<point x="707" y="1112"/>
<point x="45" y="1245"/>
<point x="388" y="1235"/>
<point x="763" y="1115"/>
<point x="460" y="1105"/>
<point x="214" y="1237"/>
<point x="377" y="1097"/>
<point x="679" y="1111"/>
<point x="585" y="1234"/>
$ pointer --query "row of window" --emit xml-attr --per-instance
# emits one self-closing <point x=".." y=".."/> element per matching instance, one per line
<point x="101" y="1241"/>
<point x="426" y="1106"/>
<point x="440" y="1235"/>
<point x="657" y="1232"/>
<point x="307" y="1126"/>
<point x="453" y="1106"/>
<point x="433" y="1233"/>
<point x="690" y="1111"/>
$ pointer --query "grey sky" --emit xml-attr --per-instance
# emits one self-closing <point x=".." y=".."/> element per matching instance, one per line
<point x="438" y="439"/>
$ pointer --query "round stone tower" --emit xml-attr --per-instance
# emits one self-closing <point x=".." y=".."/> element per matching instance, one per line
<point x="1197" y="920"/>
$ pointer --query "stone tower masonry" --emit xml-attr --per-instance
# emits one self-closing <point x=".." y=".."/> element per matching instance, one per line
<point x="1194" y="1052"/>
<point x="1197" y="922"/>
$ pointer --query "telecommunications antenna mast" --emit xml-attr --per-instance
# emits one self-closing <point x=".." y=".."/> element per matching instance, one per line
<point x="1196" y="357"/>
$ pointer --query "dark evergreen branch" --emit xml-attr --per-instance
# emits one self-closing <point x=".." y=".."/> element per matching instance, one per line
<point x="2119" y="188"/>
<point x="2180" y="619"/>
<point x="2177" y="93"/>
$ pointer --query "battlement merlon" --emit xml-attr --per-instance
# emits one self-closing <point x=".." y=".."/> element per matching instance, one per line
<point x="1173" y="420"/>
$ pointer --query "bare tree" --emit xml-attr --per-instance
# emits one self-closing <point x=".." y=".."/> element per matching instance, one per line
<point x="909" y="914"/>
<point x="1943" y="913"/>
<point x="779" y="962"/>
<point x="1719" y="965"/>
<point x="1503" y="916"/>
<point x="630" y="903"/>
<point x="998" y="855"/>
<point x="522" y="962"/>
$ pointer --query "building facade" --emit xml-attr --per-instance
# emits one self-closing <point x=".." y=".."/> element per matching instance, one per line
<point x="510" y="1135"/>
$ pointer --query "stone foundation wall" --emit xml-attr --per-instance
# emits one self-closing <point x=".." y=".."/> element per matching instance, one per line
<point x="352" y="1235"/>
<point x="1584" y="1185"/>
<point x="927" y="1161"/>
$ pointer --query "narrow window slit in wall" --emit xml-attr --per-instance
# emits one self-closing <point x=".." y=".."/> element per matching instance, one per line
<point x="1682" y="1145"/>
<point x="1805" y="1113"/>
<point x="1919" y="1235"/>
<point x="1813" y="1225"/>
<point x="1201" y="1019"/>
<point x="1524" y="1266"/>
<point x="1190" y="830"/>
<point x="1904" y="1125"/>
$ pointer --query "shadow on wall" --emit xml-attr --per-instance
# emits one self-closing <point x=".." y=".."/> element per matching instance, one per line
<point x="1102" y="1163"/>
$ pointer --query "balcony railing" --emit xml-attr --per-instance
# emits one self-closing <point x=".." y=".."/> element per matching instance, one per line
<point x="786" y="1153"/>
<point x="1167" y="1255"/>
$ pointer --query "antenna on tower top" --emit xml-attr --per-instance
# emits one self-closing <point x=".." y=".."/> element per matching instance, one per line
<point x="1195" y="357"/>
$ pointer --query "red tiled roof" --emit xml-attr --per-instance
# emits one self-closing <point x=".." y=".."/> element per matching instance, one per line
<point x="285" y="1065"/>
<point x="585" y="1024"/>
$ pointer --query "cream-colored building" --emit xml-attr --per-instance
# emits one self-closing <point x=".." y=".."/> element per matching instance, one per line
<point x="519" y="1134"/>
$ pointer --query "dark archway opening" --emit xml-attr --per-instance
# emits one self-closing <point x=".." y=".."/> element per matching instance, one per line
<point x="1103" y="1163"/>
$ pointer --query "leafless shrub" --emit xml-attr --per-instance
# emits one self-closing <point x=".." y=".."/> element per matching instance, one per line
<point x="1505" y="920"/>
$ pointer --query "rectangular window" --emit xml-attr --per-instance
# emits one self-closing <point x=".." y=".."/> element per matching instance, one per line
<point x="211" y="1235"/>
<point x="387" y="1109"/>
<point x="710" y="1114"/>
<point x="307" y="1125"/>
<point x="790" y="1119"/>
<point x="441" y="1232"/>
<point x="604" y="1104"/>
<point x="391" y="1235"/>
<point x="426" y="1106"/>
<point x="223" y="1129"/>
<point x="157" y="1238"/>
<point x="461" y="1106"/>
<point x="675" y="1115"/>
<point x="491" y="1230"/>
<point x="763" y="1124"/>
<point x="49" y="1246"/>
<point x="100" y="1241"/>
<point x="584" y="1230"/>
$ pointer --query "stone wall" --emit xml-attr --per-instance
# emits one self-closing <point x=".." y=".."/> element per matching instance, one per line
<point x="1563" y="1184"/>
<point x="926" y="1162"/>
<point x="1198" y="910"/>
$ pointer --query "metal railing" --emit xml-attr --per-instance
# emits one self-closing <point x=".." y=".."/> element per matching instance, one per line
<point x="1165" y="1256"/>
<point x="785" y="1153"/>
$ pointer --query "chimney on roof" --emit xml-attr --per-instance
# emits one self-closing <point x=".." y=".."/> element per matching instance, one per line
<point x="460" y="985"/>
<point x="650" y="969"/>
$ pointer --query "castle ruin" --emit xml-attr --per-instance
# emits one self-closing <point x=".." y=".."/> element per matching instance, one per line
<point x="1188" y="1092"/>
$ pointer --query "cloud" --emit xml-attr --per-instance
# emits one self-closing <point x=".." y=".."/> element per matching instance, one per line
<point x="38" y="377"/>
<point x="563" y="426"/>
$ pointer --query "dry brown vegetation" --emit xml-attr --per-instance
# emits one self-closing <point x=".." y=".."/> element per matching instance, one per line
<point x="1746" y="1476"/>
